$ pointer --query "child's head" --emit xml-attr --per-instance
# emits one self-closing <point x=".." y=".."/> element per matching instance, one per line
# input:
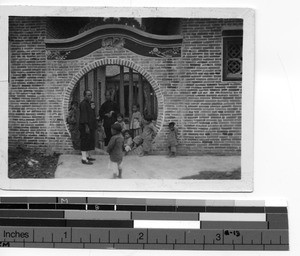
<point x="148" y="118"/>
<point x="116" y="129"/>
<point x="171" y="126"/>
<point x="120" y="117"/>
<point x="135" y="107"/>
<point x="74" y="104"/>
<point x="93" y="106"/>
<point x="127" y="134"/>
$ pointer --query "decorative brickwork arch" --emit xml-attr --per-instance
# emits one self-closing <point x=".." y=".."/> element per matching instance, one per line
<point x="120" y="62"/>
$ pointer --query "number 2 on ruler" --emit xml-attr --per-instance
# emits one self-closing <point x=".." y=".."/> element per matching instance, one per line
<point x="141" y="236"/>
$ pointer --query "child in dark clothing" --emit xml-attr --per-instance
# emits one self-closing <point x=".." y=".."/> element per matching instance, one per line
<point x="172" y="139"/>
<point x="115" y="150"/>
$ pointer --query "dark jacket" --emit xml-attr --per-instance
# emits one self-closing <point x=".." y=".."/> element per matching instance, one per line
<point x="115" y="148"/>
<point x="87" y="115"/>
<point x="105" y="108"/>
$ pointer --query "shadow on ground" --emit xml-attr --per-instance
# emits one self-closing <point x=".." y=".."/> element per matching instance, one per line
<point x="153" y="167"/>
<point x="215" y="175"/>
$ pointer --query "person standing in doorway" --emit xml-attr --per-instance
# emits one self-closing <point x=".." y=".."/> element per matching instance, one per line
<point x="87" y="128"/>
<point x="136" y="121"/>
<point x="108" y="113"/>
<point x="73" y="122"/>
<point x="93" y="106"/>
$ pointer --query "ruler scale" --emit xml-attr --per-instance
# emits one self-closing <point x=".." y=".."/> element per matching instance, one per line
<point x="129" y="223"/>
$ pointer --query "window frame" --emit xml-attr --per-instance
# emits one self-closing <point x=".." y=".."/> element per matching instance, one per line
<point x="229" y="36"/>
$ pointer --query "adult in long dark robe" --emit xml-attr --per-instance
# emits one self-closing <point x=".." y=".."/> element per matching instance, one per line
<point x="108" y="113"/>
<point x="87" y="128"/>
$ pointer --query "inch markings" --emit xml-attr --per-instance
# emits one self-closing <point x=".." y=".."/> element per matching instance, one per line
<point x="11" y="237"/>
<point x="137" y="223"/>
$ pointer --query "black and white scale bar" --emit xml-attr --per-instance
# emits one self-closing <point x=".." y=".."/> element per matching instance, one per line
<point x="161" y="208"/>
<point x="128" y="238"/>
<point x="141" y="204"/>
<point x="99" y="218"/>
<point x="17" y="222"/>
<point x="100" y="214"/>
<point x="137" y="223"/>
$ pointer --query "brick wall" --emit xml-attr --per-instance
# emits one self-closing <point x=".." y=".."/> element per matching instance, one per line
<point x="27" y="97"/>
<point x="206" y="110"/>
<point x="210" y="110"/>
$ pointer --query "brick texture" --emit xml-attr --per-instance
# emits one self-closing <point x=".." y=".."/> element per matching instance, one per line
<point x="27" y="98"/>
<point x="207" y="110"/>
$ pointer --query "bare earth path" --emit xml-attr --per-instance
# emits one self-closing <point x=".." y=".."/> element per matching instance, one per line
<point x="149" y="167"/>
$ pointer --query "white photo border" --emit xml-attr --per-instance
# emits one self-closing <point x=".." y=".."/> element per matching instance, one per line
<point x="245" y="184"/>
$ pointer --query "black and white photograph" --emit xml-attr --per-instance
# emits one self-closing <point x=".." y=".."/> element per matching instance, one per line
<point x="117" y="99"/>
<point x="140" y="127"/>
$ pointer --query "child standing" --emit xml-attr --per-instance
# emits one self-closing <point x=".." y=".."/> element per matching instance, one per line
<point x="128" y="142"/>
<point x="172" y="139"/>
<point x="149" y="132"/>
<point x="121" y="121"/>
<point x="136" y="120"/>
<point x="73" y="122"/>
<point x="101" y="134"/>
<point x="115" y="150"/>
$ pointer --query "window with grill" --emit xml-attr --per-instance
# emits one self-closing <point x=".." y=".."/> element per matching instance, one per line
<point x="232" y="55"/>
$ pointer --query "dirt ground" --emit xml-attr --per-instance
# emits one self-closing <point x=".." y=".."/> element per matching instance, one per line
<point x="23" y="163"/>
<point x="153" y="167"/>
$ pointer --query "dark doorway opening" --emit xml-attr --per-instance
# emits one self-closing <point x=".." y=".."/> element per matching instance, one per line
<point x="127" y="86"/>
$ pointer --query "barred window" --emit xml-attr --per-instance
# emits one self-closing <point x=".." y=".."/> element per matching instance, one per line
<point x="232" y="55"/>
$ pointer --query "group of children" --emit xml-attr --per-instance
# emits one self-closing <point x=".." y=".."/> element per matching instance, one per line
<point x="142" y="132"/>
